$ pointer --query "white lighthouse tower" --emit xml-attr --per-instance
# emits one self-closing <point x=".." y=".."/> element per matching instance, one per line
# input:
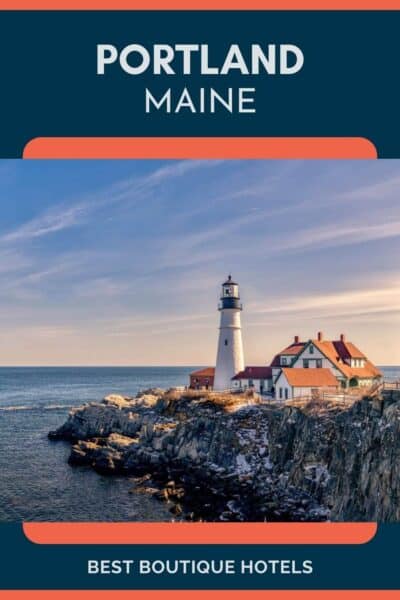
<point x="230" y="347"/>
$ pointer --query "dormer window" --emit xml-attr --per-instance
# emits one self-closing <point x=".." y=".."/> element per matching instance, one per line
<point x="358" y="363"/>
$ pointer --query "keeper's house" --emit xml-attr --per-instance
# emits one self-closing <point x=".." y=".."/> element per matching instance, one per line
<point x="346" y="362"/>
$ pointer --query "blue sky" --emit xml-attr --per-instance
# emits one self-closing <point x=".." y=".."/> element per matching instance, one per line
<point x="120" y="262"/>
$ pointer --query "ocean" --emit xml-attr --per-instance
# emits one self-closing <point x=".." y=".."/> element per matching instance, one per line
<point x="36" y="483"/>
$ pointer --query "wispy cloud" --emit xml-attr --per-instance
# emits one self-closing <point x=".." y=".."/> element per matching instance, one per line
<point x="374" y="190"/>
<point x="338" y="234"/>
<point x="352" y="302"/>
<point x="49" y="222"/>
<point x="74" y="213"/>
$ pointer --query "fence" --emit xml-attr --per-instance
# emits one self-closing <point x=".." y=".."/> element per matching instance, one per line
<point x="391" y="385"/>
<point x="341" y="399"/>
<point x="348" y="396"/>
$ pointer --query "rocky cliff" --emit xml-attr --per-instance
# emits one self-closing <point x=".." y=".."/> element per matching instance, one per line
<point x="233" y="458"/>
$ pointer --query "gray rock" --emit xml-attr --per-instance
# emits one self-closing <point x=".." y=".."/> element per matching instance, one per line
<point x="237" y="459"/>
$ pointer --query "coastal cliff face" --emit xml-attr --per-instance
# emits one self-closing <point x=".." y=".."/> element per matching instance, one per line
<point x="233" y="458"/>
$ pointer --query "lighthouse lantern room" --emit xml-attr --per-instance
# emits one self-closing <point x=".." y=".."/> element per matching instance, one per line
<point x="230" y="347"/>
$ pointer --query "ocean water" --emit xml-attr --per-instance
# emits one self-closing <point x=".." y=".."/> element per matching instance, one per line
<point x="36" y="483"/>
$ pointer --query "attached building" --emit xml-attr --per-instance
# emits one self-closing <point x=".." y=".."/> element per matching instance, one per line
<point x="297" y="383"/>
<point x="202" y="379"/>
<point x="258" y="379"/>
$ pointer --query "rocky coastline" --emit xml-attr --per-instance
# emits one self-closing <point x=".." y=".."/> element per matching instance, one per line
<point x="232" y="457"/>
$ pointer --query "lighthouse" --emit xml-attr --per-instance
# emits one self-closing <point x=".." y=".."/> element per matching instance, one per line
<point x="230" y="347"/>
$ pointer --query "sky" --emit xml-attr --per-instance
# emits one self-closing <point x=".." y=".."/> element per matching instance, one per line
<point x="121" y="262"/>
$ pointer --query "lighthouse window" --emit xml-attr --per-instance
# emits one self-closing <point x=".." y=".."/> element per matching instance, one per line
<point x="226" y="342"/>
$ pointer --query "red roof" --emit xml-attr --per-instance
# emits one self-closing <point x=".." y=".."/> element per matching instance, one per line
<point x="254" y="373"/>
<point x="207" y="372"/>
<point x="293" y="350"/>
<point x="310" y="377"/>
<point x="338" y="352"/>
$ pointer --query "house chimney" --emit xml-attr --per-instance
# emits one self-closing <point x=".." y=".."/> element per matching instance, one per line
<point x="342" y="337"/>
<point x="320" y="336"/>
<point x="296" y="339"/>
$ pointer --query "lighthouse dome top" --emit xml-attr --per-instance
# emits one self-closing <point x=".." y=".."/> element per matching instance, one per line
<point x="229" y="281"/>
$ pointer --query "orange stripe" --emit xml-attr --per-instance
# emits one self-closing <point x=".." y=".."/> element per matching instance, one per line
<point x="199" y="5"/>
<point x="199" y="533"/>
<point x="200" y="594"/>
<point x="200" y="147"/>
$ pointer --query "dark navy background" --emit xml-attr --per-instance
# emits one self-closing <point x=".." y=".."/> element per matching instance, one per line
<point x="347" y="87"/>
<point x="370" y="566"/>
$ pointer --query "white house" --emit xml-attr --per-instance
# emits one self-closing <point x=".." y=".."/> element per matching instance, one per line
<point x="347" y="363"/>
<point x="295" y="383"/>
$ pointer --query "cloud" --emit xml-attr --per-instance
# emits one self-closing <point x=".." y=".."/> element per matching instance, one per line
<point x="371" y="301"/>
<point x="66" y="216"/>
<point x="377" y="190"/>
<point x="177" y="169"/>
<point x="337" y="234"/>
<point x="49" y="222"/>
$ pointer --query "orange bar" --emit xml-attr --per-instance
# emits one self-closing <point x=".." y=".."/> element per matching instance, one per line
<point x="200" y="594"/>
<point x="199" y="5"/>
<point x="200" y="147"/>
<point x="199" y="533"/>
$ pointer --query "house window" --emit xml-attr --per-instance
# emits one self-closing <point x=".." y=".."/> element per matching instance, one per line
<point x="319" y="363"/>
<point x="305" y="363"/>
<point x="286" y="393"/>
<point x="311" y="349"/>
<point x="280" y="393"/>
<point x="283" y="360"/>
